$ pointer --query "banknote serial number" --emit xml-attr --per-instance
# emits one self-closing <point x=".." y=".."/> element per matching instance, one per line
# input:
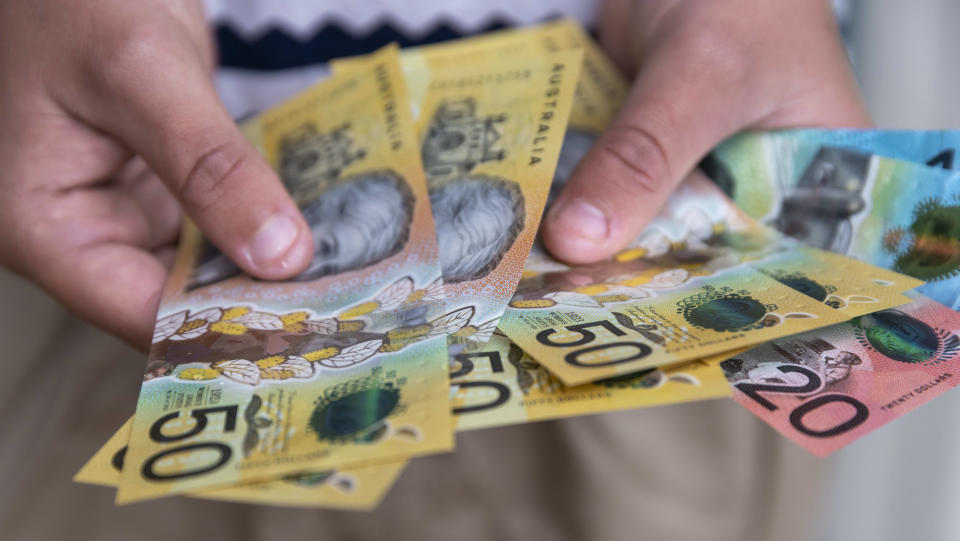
<point x="482" y="79"/>
<point x="389" y="98"/>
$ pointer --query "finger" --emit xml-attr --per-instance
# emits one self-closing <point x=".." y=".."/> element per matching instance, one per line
<point x="114" y="286"/>
<point x="86" y="247"/>
<point x="693" y="92"/>
<point x="163" y="106"/>
<point x="108" y="213"/>
<point x="159" y="209"/>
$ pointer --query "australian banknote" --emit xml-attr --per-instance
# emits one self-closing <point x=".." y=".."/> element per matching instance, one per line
<point x="825" y="388"/>
<point x="490" y="135"/>
<point x="347" y="363"/>
<point x="894" y="214"/>
<point x="360" y="489"/>
<point x="497" y="384"/>
<point x="935" y="148"/>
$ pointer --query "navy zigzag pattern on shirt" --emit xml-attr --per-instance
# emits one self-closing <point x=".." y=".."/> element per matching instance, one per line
<point x="276" y="49"/>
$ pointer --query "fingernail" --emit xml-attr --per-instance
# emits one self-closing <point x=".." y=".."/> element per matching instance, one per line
<point x="273" y="240"/>
<point x="583" y="219"/>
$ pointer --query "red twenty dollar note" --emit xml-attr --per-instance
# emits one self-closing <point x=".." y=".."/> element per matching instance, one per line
<point x="828" y="387"/>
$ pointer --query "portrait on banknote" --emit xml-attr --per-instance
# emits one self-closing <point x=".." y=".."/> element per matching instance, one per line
<point x="355" y="221"/>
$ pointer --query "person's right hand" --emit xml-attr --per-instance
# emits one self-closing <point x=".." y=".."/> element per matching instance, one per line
<point x="702" y="71"/>
<point x="108" y="119"/>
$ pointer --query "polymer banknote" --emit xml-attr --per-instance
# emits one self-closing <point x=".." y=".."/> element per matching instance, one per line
<point x="497" y="384"/>
<point x="756" y="152"/>
<point x="934" y="148"/>
<point x="894" y="214"/>
<point x="345" y="364"/>
<point x="701" y="279"/>
<point x="825" y="388"/>
<point x="490" y="135"/>
<point x="360" y="489"/>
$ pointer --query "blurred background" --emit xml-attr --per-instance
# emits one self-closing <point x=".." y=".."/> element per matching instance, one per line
<point x="65" y="387"/>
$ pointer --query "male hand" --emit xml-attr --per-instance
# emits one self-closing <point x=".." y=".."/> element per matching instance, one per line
<point x="108" y="124"/>
<point x="704" y="69"/>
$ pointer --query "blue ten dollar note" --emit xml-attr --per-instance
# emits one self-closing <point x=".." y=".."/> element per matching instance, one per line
<point x="831" y="191"/>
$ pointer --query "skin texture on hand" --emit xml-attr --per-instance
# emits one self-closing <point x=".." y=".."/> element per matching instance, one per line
<point x="702" y="70"/>
<point x="109" y="125"/>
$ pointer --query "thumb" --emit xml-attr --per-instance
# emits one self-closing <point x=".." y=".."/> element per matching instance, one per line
<point x="678" y="109"/>
<point x="164" y="108"/>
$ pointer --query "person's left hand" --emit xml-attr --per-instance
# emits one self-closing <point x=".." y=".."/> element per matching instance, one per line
<point x="707" y="69"/>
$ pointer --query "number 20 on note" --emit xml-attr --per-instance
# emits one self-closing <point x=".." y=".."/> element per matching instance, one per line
<point x="798" y="414"/>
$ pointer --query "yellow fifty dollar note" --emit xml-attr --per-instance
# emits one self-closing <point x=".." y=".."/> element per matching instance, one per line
<point x="360" y="489"/>
<point x="344" y="365"/>
<point x="497" y="384"/>
<point x="739" y="307"/>
<point x="490" y="137"/>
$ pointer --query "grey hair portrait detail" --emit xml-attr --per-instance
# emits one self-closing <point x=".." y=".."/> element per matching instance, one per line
<point x="477" y="220"/>
<point x="360" y="221"/>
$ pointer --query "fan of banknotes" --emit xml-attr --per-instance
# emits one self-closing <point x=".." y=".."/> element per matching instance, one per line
<point x="798" y="272"/>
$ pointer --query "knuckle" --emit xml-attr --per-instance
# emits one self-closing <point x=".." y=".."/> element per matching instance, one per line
<point x="639" y="163"/>
<point x="123" y="52"/>
<point x="719" y="54"/>
<point x="211" y="175"/>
